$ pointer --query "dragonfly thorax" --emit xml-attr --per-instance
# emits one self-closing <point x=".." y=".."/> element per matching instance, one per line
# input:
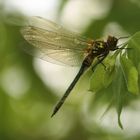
<point x="102" y="47"/>
<point x="99" y="47"/>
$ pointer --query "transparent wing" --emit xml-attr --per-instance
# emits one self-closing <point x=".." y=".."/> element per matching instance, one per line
<point x="54" y="41"/>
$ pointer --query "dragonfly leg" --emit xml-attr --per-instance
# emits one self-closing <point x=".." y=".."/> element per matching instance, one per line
<point x="100" y="59"/>
<point x="105" y="68"/>
<point x="93" y="67"/>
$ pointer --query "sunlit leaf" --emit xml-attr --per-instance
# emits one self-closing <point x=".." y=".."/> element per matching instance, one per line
<point x="120" y="92"/>
<point x="134" y="52"/>
<point x="103" y="75"/>
<point x="130" y="74"/>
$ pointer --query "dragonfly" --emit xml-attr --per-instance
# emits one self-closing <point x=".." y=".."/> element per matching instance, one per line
<point x="54" y="43"/>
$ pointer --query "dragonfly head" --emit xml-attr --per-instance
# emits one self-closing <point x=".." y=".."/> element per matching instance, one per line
<point x="112" y="43"/>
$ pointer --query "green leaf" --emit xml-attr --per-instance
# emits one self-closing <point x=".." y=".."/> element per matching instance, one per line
<point x="130" y="74"/>
<point x="116" y="94"/>
<point x="134" y="56"/>
<point x="102" y="77"/>
<point x="97" y="79"/>
<point x="134" y="53"/>
<point x="120" y="92"/>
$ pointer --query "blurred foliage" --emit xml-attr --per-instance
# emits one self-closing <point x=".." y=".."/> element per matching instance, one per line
<point x="26" y="102"/>
<point x="125" y="13"/>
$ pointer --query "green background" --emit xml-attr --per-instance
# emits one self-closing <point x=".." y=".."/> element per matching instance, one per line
<point x="28" y="116"/>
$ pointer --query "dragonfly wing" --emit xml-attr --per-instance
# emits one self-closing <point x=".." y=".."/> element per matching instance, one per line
<point x="67" y="56"/>
<point x="56" y="56"/>
<point x="55" y="42"/>
<point x="53" y="56"/>
<point x="45" y="24"/>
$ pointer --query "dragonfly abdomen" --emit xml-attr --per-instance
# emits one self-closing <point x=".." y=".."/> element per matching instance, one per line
<point x="83" y="68"/>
